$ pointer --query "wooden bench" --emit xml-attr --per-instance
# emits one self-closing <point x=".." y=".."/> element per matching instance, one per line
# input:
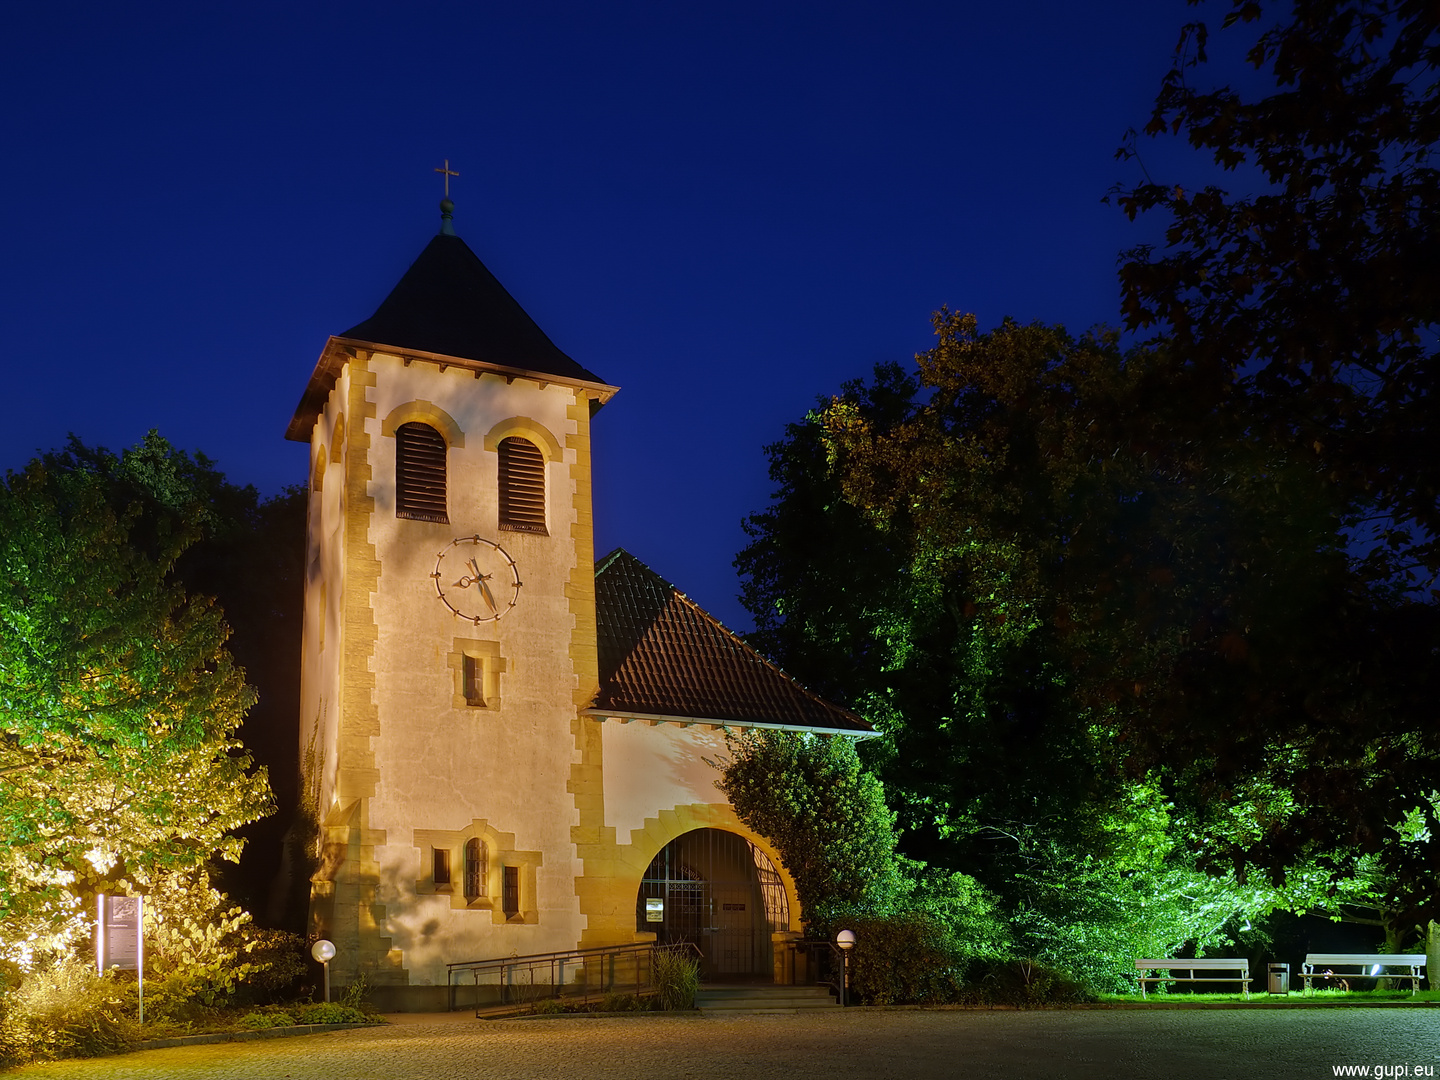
<point x="1366" y="962"/>
<point x="1240" y="967"/>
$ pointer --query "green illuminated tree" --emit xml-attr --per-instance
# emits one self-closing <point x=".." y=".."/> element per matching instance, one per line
<point x="118" y="701"/>
<point x="827" y="816"/>
<point x="1307" y="286"/>
<point x="823" y="812"/>
<point x="1068" y="576"/>
<point x="1180" y="567"/>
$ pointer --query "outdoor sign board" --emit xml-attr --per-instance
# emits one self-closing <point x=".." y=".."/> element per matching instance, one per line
<point x="118" y="939"/>
<point x="654" y="909"/>
<point x="118" y="942"/>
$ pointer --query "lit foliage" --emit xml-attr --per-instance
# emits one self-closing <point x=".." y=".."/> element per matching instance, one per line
<point x="1053" y="487"/>
<point x="1137" y="892"/>
<point x="67" y="1010"/>
<point x="201" y="949"/>
<point x="676" y="978"/>
<point x="119" y="704"/>
<point x="827" y="817"/>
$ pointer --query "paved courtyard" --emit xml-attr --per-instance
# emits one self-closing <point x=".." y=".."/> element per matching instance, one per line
<point x="1255" y="1045"/>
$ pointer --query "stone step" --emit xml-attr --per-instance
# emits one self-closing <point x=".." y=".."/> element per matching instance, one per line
<point x="735" y="992"/>
<point x="751" y="999"/>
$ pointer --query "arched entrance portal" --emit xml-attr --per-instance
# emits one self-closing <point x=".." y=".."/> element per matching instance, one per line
<point x="720" y="892"/>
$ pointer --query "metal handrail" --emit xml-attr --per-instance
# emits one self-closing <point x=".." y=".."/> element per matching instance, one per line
<point x="570" y="973"/>
<point x="816" y="973"/>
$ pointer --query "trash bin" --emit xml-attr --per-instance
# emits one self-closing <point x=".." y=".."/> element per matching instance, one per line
<point x="1278" y="978"/>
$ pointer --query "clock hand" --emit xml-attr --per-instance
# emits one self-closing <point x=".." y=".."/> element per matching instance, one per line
<point x="486" y="593"/>
<point x="465" y="580"/>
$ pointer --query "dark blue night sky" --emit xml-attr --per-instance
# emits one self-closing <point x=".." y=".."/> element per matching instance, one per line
<point x="727" y="210"/>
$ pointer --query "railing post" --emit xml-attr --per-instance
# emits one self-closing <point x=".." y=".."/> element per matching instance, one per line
<point x="782" y="946"/>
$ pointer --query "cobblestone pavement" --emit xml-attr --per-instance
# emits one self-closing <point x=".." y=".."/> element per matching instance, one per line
<point x="1216" y="1045"/>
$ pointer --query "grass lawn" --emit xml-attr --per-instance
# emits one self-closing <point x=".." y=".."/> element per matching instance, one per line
<point x="1337" y="997"/>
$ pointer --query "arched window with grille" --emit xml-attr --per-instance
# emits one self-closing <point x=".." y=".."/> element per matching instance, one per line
<point x="522" y="486"/>
<point x="420" y="473"/>
<point x="475" y="869"/>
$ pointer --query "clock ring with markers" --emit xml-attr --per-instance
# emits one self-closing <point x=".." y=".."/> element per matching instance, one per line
<point x="476" y="579"/>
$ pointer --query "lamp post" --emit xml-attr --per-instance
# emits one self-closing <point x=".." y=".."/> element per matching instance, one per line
<point x="846" y="940"/>
<point x="324" y="951"/>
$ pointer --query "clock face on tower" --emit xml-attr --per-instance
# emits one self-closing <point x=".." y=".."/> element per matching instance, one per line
<point x="476" y="579"/>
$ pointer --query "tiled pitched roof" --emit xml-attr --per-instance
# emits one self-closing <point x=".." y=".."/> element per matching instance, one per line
<point x="449" y="303"/>
<point x="661" y="654"/>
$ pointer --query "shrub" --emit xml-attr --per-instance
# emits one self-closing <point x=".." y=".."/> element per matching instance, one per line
<point x="259" y="1021"/>
<point x="67" y="1010"/>
<point x="912" y="958"/>
<point x="620" y="1003"/>
<point x="677" y="978"/>
<point x="277" y="960"/>
<point x="1024" y="984"/>
<point x="354" y="995"/>
<point x="204" y="953"/>
<point x="194" y="945"/>
<point x="330" y="1012"/>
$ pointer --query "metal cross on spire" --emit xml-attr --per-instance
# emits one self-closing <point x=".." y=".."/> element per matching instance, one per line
<point x="449" y="172"/>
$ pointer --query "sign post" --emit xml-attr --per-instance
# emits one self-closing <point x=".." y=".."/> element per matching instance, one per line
<point x="120" y="940"/>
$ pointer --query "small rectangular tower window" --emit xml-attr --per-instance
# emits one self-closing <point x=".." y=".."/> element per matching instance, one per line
<point x="512" y="892"/>
<point x="440" y="859"/>
<point x="478" y="666"/>
<point x="474" y="680"/>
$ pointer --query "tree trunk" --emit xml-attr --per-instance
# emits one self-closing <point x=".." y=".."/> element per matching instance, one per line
<point x="1432" y="951"/>
<point x="1394" y="943"/>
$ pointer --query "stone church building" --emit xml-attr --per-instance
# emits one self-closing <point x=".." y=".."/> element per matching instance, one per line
<point x="507" y="744"/>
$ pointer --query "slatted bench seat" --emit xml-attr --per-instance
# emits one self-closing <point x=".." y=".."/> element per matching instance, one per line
<point x="1324" y="965"/>
<point x="1240" y="969"/>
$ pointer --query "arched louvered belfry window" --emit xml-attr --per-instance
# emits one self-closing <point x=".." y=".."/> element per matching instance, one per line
<point x="522" y="486"/>
<point x="475" y="869"/>
<point x="420" y="473"/>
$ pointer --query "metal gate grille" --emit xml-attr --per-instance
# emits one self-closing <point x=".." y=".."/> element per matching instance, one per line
<point x="719" y="892"/>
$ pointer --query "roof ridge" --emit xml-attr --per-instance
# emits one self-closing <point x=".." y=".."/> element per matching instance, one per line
<point x="602" y="564"/>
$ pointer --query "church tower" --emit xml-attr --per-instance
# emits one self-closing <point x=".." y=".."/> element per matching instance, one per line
<point x="449" y="625"/>
<point x="506" y="747"/>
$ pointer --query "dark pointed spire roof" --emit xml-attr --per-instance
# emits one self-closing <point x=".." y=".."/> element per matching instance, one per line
<point x="662" y="655"/>
<point x="450" y="304"/>
<point x="448" y="308"/>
